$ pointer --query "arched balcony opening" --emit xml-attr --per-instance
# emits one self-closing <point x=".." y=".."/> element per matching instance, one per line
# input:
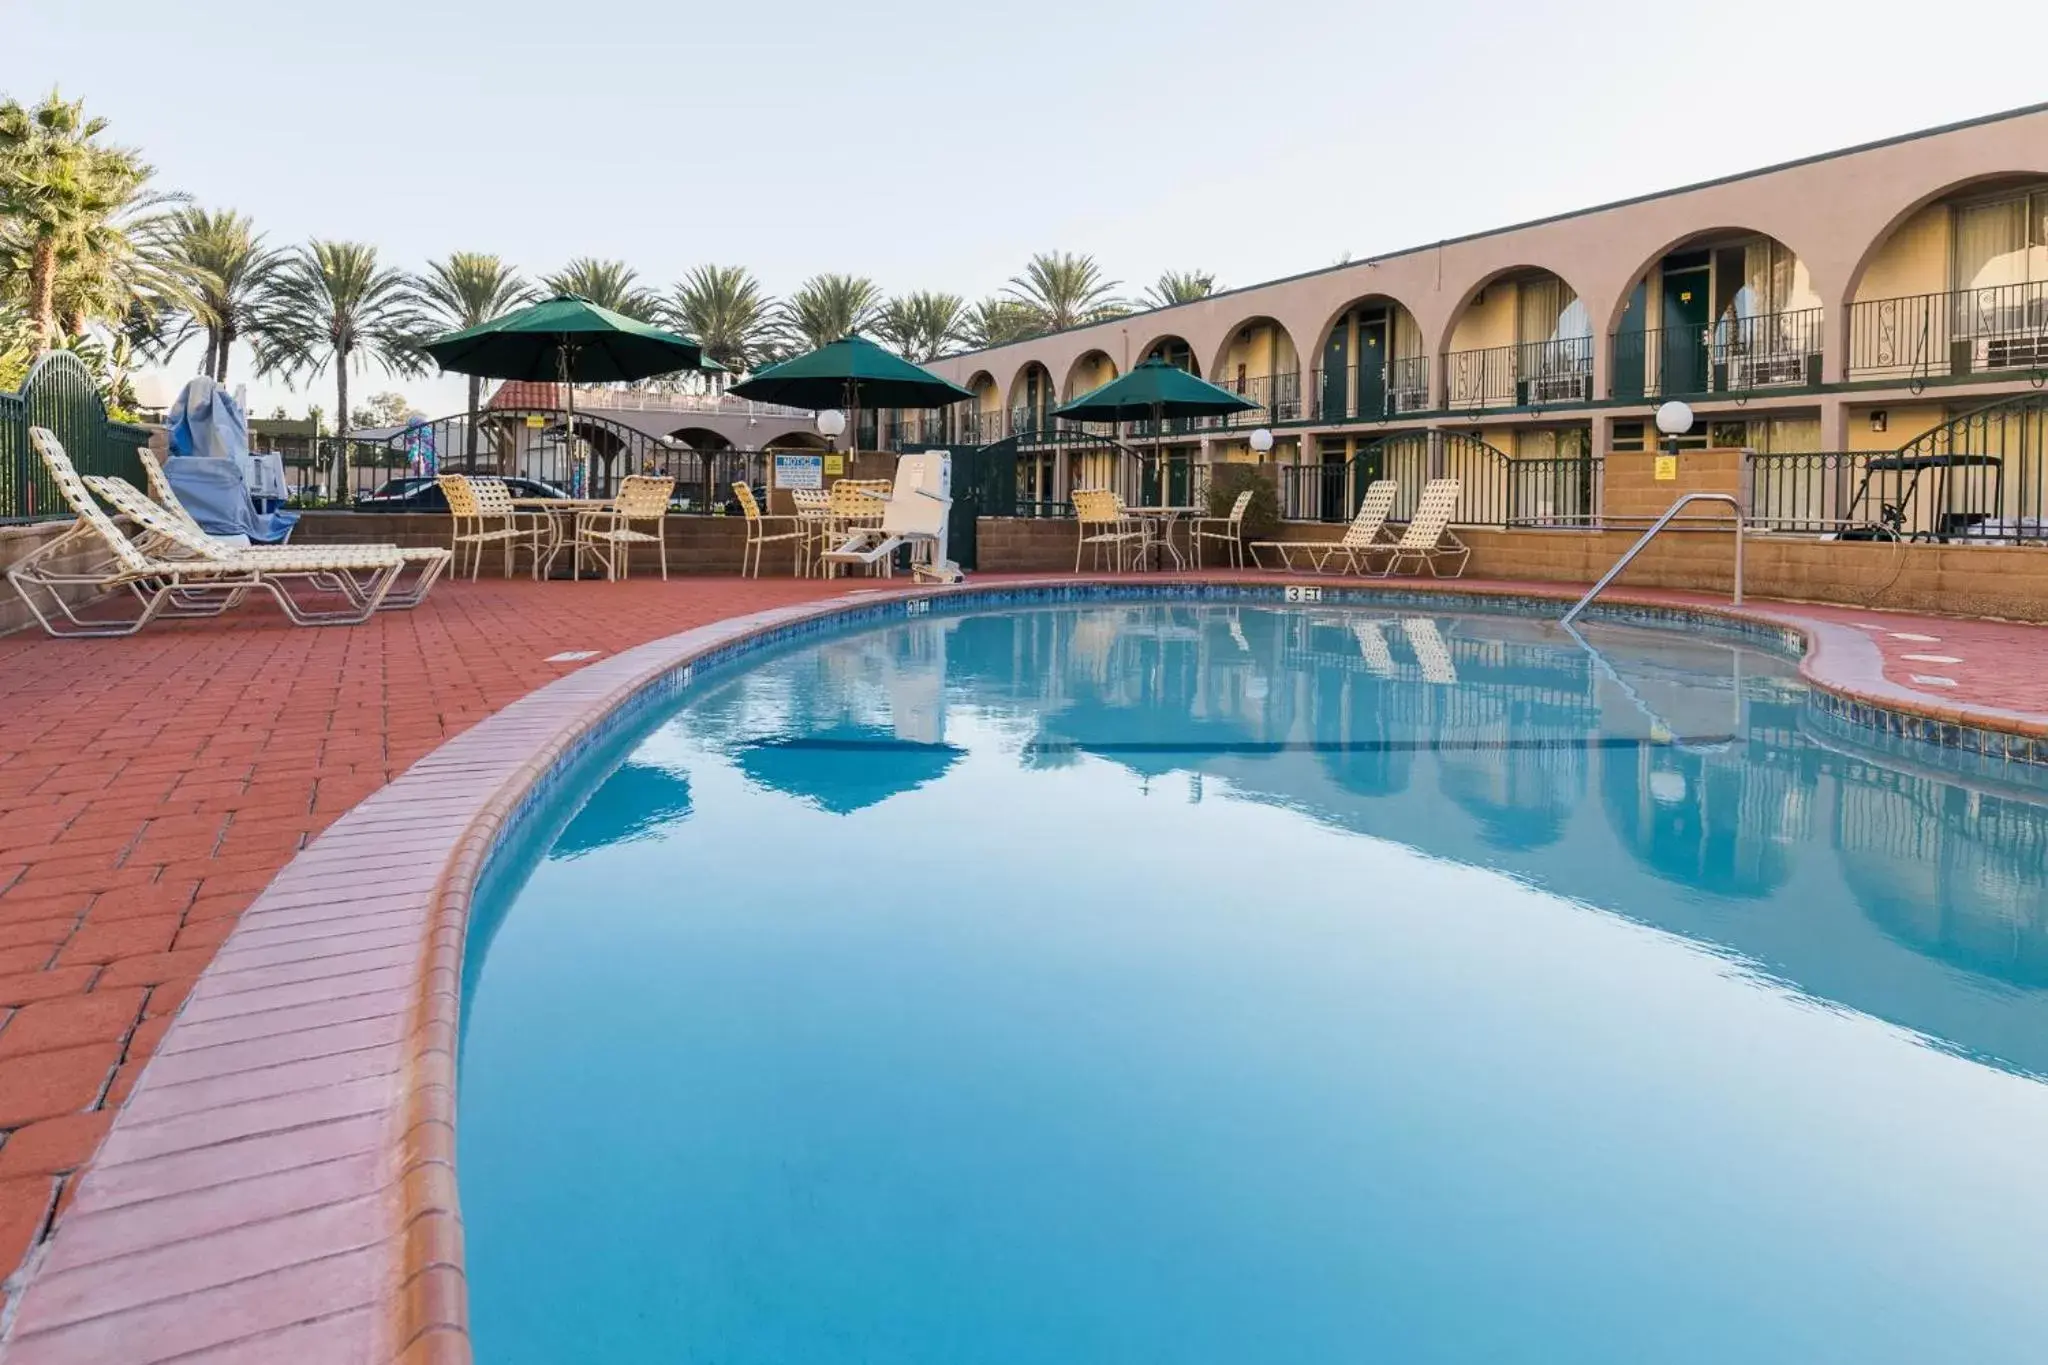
<point x="1957" y="287"/>
<point x="1089" y="372"/>
<point x="1175" y="351"/>
<point x="981" y="421"/>
<point x="1373" y="364"/>
<point x="1032" y="399"/>
<point x="1523" y="340"/>
<point x="1729" y="311"/>
<point x="1258" y="361"/>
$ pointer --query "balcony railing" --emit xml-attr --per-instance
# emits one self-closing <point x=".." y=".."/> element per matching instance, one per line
<point x="1531" y="374"/>
<point x="1278" y="397"/>
<point x="1962" y="332"/>
<point x="523" y="393"/>
<point x="1494" y="488"/>
<point x="1372" y="393"/>
<point x="1734" y="355"/>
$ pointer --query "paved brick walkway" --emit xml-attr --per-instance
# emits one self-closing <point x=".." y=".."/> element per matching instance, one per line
<point x="150" y="787"/>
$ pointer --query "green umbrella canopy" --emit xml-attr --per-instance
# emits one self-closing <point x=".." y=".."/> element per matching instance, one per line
<point x="565" y="338"/>
<point x="850" y="372"/>
<point x="1154" y="389"/>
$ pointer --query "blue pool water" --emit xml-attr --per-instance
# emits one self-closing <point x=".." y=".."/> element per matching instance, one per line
<point x="1206" y="984"/>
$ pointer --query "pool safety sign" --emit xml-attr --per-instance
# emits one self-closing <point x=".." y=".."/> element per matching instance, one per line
<point x="799" y="471"/>
<point x="835" y="465"/>
<point x="1667" y="468"/>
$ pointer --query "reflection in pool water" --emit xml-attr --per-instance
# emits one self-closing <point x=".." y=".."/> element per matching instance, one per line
<point x="1226" y="984"/>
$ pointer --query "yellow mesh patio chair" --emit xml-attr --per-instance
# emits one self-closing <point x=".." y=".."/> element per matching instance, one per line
<point x="1428" y="541"/>
<point x="480" y="513"/>
<point x="51" y="591"/>
<point x="637" y="516"/>
<point x="1102" y="526"/>
<point x="758" y="534"/>
<point x="1366" y="531"/>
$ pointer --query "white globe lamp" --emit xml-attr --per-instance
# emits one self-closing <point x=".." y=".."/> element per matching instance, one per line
<point x="1674" y="419"/>
<point x="1261" y="442"/>
<point x="831" y="422"/>
<point x="154" y="391"/>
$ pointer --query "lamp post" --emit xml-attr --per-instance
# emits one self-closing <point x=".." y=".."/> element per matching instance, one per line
<point x="1674" y="420"/>
<point x="831" y="422"/>
<point x="1261" y="442"/>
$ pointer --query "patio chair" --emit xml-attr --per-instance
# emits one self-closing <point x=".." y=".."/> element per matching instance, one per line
<point x="758" y="534"/>
<point x="182" y="587"/>
<point x="1428" y="541"/>
<point x="814" y="519"/>
<point x="1103" y="526"/>
<point x="609" y="533"/>
<point x="480" y="513"/>
<point x="169" y="538"/>
<point x="1364" y="533"/>
<point x="1229" y="530"/>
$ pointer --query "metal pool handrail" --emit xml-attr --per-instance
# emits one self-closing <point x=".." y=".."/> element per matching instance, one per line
<point x="1659" y="524"/>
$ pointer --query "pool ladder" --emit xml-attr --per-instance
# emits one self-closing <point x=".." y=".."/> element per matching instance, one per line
<point x="1659" y="524"/>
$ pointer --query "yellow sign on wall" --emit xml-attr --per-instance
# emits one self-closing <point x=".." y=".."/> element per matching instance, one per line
<point x="535" y="422"/>
<point x="835" y="465"/>
<point x="1667" y="468"/>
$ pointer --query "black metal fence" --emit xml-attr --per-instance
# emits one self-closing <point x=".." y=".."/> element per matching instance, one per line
<point x="1733" y="355"/>
<point x="1494" y="488"/>
<point x="58" y="393"/>
<point x="1981" y="478"/>
<point x="1530" y="374"/>
<point x="1371" y="393"/>
<point x="1962" y="332"/>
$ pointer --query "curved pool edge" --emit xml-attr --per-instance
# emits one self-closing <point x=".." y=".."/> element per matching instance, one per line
<point x="282" y="1178"/>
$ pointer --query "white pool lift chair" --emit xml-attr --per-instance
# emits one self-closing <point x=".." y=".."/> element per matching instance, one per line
<point x="915" y="515"/>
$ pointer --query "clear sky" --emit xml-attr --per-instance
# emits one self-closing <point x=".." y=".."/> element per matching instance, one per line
<point x="937" y="146"/>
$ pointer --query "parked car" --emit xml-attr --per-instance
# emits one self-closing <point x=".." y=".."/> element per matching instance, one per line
<point x="418" y="493"/>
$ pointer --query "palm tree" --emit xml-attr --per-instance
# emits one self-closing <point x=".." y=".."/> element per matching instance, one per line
<point x="226" y="271"/>
<point x="468" y="290"/>
<point x="724" y="309"/>
<point x="1180" y="286"/>
<point x="78" y="220"/>
<point x="332" y="304"/>
<point x="922" y="326"/>
<point x="608" y="284"/>
<point x="829" y="307"/>
<point x="997" y="322"/>
<point x="1064" y="290"/>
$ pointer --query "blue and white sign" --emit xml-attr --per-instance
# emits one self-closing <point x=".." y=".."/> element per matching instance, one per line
<point x="799" y="471"/>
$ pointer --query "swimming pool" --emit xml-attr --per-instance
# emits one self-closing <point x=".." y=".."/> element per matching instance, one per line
<point x="1213" y="983"/>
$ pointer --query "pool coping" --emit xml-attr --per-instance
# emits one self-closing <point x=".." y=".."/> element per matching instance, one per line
<point x="281" y="1181"/>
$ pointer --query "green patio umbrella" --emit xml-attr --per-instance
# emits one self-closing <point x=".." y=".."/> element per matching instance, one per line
<point x="852" y="373"/>
<point x="1156" y="390"/>
<point x="570" y="340"/>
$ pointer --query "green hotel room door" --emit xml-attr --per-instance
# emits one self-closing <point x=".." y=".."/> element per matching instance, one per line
<point x="1683" y="362"/>
<point x="1372" y="367"/>
<point x="1336" y="373"/>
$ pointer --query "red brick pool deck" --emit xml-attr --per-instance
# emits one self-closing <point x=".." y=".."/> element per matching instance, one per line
<point x="151" y="787"/>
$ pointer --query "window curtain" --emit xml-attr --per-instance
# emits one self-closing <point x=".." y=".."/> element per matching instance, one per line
<point x="2004" y="242"/>
<point x="1548" y="309"/>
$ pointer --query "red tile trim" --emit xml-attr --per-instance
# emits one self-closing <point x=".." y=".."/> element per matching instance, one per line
<point x="280" y="1185"/>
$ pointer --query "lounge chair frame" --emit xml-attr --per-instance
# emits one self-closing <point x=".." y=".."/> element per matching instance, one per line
<point x="1366" y="533"/>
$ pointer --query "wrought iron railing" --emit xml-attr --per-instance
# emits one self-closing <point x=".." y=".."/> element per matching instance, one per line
<point x="1494" y="488"/>
<point x="1530" y="374"/>
<point x="1962" y="332"/>
<point x="1278" y="397"/>
<point x="1373" y="393"/>
<point x="58" y="394"/>
<point x="1981" y="477"/>
<point x="1734" y="355"/>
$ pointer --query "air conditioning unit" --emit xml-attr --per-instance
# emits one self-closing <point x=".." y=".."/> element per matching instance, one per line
<point x="1769" y="370"/>
<point x="2019" y="351"/>
<point x="1559" y="388"/>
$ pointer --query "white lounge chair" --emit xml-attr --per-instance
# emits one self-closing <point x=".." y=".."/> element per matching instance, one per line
<point x="1359" y="538"/>
<point x="183" y="587"/>
<point x="172" y="538"/>
<point x="1427" y="540"/>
